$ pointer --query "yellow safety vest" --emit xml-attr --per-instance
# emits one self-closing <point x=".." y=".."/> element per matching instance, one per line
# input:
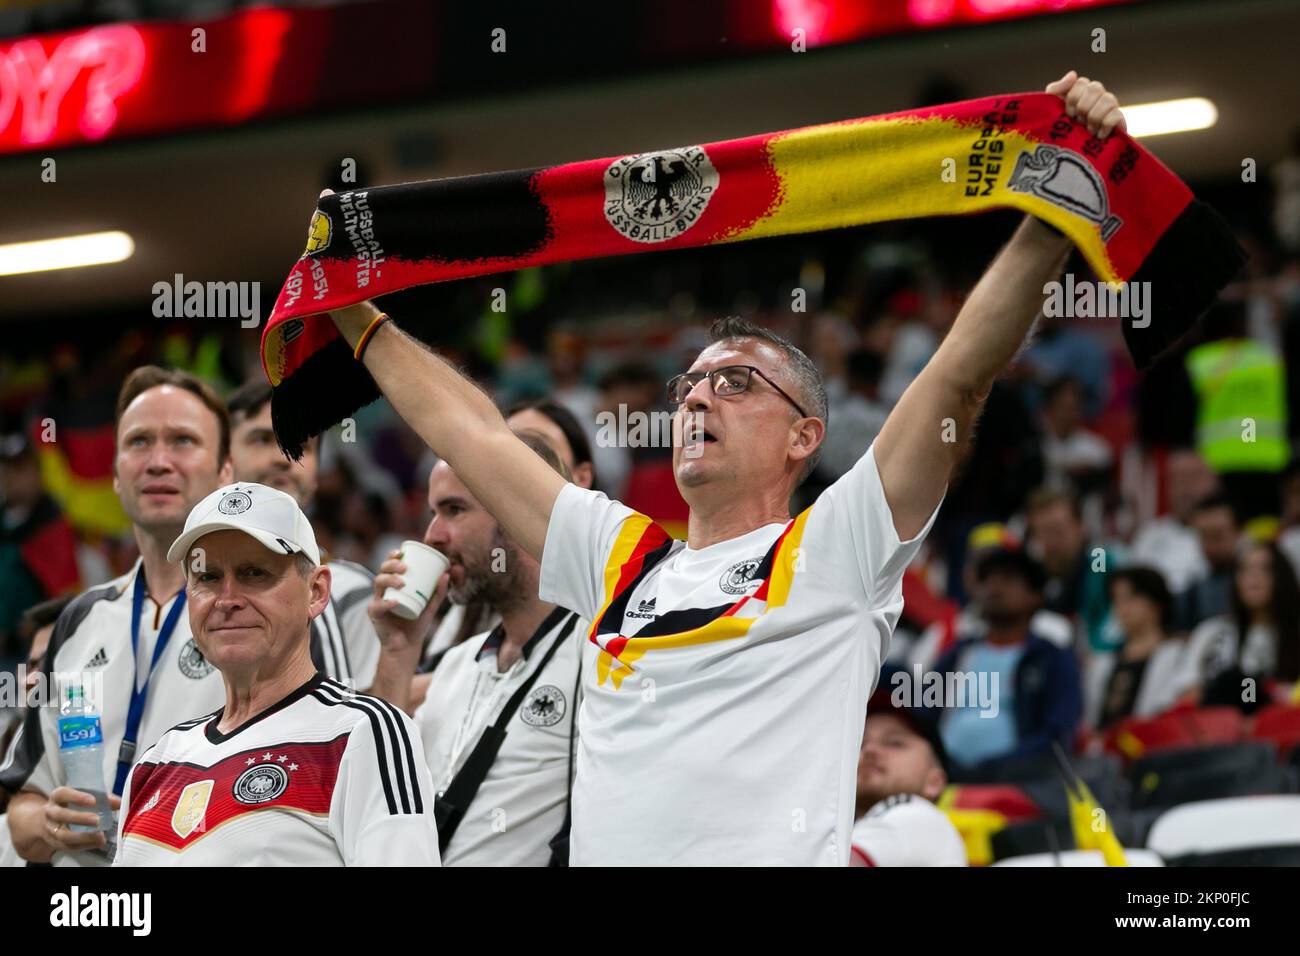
<point x="1241" y="409"/>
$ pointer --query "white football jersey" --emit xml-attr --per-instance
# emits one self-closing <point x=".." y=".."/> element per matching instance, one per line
<point x="92" y="643"/>
<point x="326" y="777"/>
<point x="907" y="830"/>
<point x="344" y="645"/>
<point x="521" y="804"/>
<point x="722" y="719"/>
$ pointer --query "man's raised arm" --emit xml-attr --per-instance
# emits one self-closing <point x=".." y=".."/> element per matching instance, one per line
<point x="931" y="426"/>
<point x="461" y="424"/>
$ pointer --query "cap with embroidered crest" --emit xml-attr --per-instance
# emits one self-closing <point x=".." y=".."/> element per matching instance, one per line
<point x="267" y="514"/>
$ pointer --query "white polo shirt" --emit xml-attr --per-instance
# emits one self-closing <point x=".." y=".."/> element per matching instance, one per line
<point x="521" y="803"/>
<point x="722" y="718"/>
<point x="324" y="777"/>
<point x="92" y="642"/>
<point x="907" y="830"/>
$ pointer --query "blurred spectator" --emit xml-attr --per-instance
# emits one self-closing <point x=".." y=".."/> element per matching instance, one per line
<point x="38" y="548"/>
<point x="1289" y="537"/>
<point x="366" y="534"/>
<point x="254" y="452"/>
<point x="901" y="773"/>
<point x="1210" y="594"/>
<point x="1071" y="454"/>
<point x="566" y="362"/>
<point x="833" y="341"/>
<point x="629" y="392"/>
<point x="1241" y="418"/>
<point x="1034" y="693"/>
<point x="1147" y="674"/>
<point x="1258" y="640"/>
<point x="1004" y="466"/>
<point x="857" y="415"/>
<point x="1286" y="195"/>
<point x="911" y="341"/>
<point x="633" y="401"/>
<point x="1061" y="350"/>
<point x="34" y="629"/>
<point x="1169" y="543"/>
<point x="1076" y="567"/>
<point x="563" y="431"/>
<point x="983" y="540"/>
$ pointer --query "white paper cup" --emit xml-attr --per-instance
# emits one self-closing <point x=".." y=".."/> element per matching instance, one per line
<point x="425" y="566"/>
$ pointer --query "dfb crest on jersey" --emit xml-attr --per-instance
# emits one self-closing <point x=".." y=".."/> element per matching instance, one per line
<point x="1065" y="179"/>
<point x="192" y="662"/>
<point x="543" y="707"/>
<point x="739" y="578"/>
<point x="654" y="197"/>
<point x="261" y="783"/>
<point x="235" y="503"/>
<point x="191" y="807"/>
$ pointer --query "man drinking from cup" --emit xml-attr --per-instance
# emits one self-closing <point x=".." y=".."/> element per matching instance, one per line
<point x="497" y="715"/>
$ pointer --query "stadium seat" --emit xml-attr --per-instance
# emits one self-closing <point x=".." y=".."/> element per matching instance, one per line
<point x="980" y="812"/>
<point x="1031" y="837"/>
<point x="1012" y="802"/>
<point x="1137" y="737"/>
<point x="1102" y="773"/>
<point x="1171" y="777"/>
<point x="1134" y="857"/>
<point x="1047" y="836"/>
<point x="1279" y="724"/>
<point x="1240" y="831"/>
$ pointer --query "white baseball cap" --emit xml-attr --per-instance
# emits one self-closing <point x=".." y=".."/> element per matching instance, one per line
<point x="267" y="514"/>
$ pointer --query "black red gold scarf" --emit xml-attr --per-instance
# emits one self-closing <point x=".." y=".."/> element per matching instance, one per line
<point x="1130" y="217"/>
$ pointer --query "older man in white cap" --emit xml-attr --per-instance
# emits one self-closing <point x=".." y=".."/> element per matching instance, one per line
<point x="295" y="770"/>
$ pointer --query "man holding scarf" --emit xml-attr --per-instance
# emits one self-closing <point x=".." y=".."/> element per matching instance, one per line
<point x="725" y="707"/>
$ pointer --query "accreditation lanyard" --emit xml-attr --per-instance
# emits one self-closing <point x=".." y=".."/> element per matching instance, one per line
<point x="140" y="692"/>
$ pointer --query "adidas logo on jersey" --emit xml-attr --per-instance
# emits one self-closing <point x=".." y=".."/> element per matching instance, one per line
<point x="99" y="660"/>
<point x="644" y="610"/>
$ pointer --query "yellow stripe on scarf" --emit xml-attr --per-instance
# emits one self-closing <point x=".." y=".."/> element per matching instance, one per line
<point x="895" y="168"/>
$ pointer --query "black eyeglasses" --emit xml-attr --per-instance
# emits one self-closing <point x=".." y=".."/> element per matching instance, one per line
<point x="731" y="380"/>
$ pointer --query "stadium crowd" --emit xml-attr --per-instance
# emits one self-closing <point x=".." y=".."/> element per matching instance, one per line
<point x="1117" y="556"/>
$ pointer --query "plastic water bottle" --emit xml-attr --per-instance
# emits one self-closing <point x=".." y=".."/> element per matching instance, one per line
<point x="81" y="749"/>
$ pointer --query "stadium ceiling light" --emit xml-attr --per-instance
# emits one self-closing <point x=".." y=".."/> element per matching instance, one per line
<point x="66" y="252"/>
<point x="1170" y="116"/>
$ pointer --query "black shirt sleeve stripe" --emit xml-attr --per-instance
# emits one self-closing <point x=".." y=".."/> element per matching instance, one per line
<point x="322" y="695"/>
<point x="407" y="750"/>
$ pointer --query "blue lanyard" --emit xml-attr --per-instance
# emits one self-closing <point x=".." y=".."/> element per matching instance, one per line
<point x="126" y="755"/>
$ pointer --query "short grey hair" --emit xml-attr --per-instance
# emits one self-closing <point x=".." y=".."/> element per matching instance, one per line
<point x="304" y="565"/>
<point x="809" y="386"/>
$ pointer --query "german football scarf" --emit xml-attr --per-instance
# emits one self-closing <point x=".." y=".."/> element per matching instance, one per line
<point x="1130" y="217"/>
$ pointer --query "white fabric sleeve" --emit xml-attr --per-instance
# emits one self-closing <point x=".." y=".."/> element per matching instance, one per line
<point x="382" y="810"/>
<point x="362" y="643"/>
<point x="122" y="812"/>
<point x="850" y="537"/>
<point x="910" y="832"/>
<point x="581" y="534"/>
<point x="48" y="772"/>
